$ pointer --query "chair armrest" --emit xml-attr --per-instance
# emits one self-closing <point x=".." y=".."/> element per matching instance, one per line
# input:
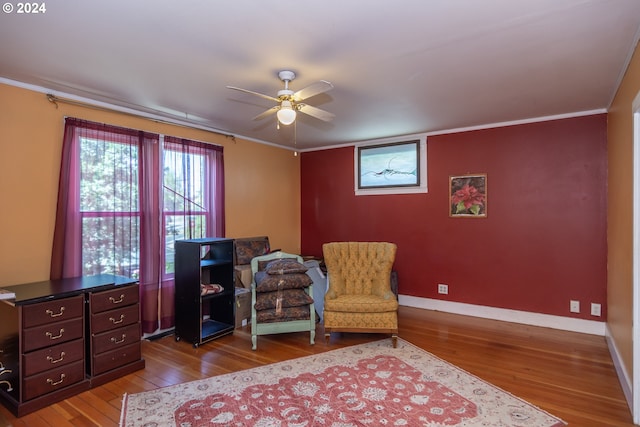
<point x="389" y="295"/>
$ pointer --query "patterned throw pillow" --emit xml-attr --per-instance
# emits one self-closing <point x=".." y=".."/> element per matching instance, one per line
<point x="272" y="282"/>
<point x="285" y="266"/>
<point x="290" y="298"/>
<point x="262" y="265"/>
<point x="288" y="313"/>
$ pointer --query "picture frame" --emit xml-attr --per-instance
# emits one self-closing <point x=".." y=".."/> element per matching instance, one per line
<point x="468" y="196"/>
<point x="390" y="165"/>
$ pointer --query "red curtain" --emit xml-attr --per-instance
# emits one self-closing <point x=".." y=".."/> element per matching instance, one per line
<point x="113" y="210"/>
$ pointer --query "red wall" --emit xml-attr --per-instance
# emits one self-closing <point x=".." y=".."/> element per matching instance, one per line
<point x="542" y="244"/>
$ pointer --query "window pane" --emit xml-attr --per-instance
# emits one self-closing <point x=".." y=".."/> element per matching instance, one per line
<point x="109" y="181"/>
<point x="178" y="227"/>
<point x="183" y="181"/>
<point x="111" y="245"/>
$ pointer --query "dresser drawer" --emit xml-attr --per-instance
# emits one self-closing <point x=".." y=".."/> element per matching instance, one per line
<point x="114" y="359"/>
<point x="109" y="300"/>
<point x="52" y="357"/>
<point x="114" y="319"/>
<point x="52" y="311"/>
<point x="55" y="333"/>
<point x="52" y="380"/>
<point x="116" y="338"/>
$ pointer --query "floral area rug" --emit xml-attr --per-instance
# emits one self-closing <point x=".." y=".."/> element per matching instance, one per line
<point x="370" y="384"/>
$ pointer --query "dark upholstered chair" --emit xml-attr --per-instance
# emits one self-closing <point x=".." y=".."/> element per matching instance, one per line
<point x="245" y="249"/>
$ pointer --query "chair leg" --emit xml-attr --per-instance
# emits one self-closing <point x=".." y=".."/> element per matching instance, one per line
<point x="394" y="340"/>
<point x="327" y="337"/>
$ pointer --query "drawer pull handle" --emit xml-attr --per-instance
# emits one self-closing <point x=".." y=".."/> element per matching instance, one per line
<point x="9" y="388"/>
<point x="117" y="301"/>
<point x="115" y="322"/>
<point x="52" y="382"/>
<point x="55" y="337"/>
<point x="54" y="361"/>
<point x="52" y="314"/>
<point x="118" y="341"/>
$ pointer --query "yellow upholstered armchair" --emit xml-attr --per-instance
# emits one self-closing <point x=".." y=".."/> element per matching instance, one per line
<point x="359" y="298"/>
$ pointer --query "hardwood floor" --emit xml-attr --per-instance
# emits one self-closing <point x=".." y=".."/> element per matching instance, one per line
<point x="568" y="374"/>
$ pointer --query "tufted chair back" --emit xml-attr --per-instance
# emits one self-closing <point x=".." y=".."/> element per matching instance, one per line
<point x="359" y="268"/>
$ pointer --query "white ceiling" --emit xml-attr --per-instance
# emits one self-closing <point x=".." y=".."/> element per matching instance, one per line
<point x="398" y="68"/>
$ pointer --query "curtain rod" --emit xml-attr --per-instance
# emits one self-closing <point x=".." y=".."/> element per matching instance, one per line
<point x="56" y="99"/>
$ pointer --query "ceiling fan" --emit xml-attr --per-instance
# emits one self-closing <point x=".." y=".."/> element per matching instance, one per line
<point x="289" y="102"/>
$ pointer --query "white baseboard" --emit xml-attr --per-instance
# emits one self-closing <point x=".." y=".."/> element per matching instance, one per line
<point x="535" y="319"/>
<point x="621" y="370"/>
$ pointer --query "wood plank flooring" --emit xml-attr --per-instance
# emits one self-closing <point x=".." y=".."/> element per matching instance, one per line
<point x="568" y="374"/>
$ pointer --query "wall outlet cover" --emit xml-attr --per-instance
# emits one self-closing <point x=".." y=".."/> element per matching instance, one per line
<point x="574" y="306"/>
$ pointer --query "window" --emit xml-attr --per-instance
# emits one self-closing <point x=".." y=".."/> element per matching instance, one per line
<point x="187" y="188"/>
<point x="124" y="197"/>
<point x="109" y="207"/>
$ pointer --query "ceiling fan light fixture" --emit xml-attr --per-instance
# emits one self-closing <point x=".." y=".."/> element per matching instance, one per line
<point x="286" y="114"/>
<point x="289" y="102"/>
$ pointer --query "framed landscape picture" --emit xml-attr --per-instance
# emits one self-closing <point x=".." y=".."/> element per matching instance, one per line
<point x="468" y="196"/>
<point x="389" y="165"/>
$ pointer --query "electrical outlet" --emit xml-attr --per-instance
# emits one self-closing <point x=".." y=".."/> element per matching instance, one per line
<point x="443" y="289"/>
<point x="595" y="309"/>
<point x="574" y="306"/>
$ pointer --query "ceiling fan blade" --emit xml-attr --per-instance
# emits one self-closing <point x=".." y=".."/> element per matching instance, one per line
<point x="312" y="90"/>
<point x="267" y="113"/>
<point x="271" y="98"/>
<point x="316" y="112"/>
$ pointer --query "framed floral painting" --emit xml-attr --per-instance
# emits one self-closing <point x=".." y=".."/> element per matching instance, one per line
<point x="468" y="196"/>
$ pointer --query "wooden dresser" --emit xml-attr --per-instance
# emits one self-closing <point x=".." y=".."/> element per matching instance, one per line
<point x="61" y="337"/>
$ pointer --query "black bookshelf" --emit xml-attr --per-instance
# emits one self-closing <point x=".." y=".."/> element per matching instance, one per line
<point x="200" y="318"/>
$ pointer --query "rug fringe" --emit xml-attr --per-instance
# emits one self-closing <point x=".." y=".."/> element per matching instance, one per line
<point x="123" y="411"/>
